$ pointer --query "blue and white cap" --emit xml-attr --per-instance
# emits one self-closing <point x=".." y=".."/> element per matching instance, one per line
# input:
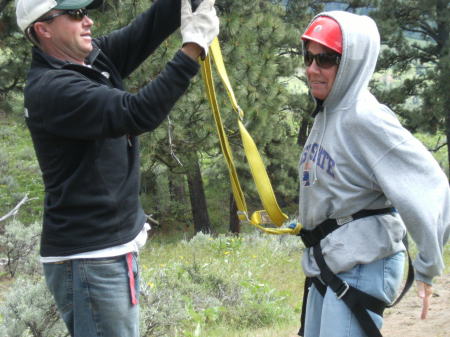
<point x="28" y="11"/>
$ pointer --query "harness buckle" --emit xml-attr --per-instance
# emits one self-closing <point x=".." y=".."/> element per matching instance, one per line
<point x="344" y="220"/>
<point x="243" y="218"/>
<point x="341" y="292"/>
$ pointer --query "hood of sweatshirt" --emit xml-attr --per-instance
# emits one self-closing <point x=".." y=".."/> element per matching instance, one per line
<point x="359" y="58"/>
<point x="327" y="168"/>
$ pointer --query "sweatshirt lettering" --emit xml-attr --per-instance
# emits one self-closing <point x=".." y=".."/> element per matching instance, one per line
<point x="318" y="156"/>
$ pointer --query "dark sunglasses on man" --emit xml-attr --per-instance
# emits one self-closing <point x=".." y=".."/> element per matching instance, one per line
<point x="75" y="14"/>
<point x="323" y="60"/>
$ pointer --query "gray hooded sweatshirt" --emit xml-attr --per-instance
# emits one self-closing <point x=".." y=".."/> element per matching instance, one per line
<point x="358" y="157"/>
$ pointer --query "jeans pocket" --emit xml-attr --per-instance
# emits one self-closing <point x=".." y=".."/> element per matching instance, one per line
<point x="393" y="274"/>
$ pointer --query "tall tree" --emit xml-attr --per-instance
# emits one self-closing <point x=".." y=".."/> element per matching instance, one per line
<point x="197" y="195"/>
<point x="14" y="54"/>
<point x="417" y="36"/>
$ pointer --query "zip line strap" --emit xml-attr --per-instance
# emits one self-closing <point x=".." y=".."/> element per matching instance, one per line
<point x="254" y="159"/>
<point x="261" y="179"/>
<point x="216" y="53"/>
<point x="223" y="139"/>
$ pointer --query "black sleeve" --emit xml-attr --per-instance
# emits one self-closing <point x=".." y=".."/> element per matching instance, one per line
<point x="82" y="109"/>
<point x="130" y="46"/>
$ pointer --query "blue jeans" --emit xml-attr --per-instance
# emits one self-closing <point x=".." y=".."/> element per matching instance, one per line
<point x="93" y="296"/>
<point x="329" y="316"/>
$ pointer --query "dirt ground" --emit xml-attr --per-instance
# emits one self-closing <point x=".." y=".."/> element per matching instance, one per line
<point x="404" y="319"/>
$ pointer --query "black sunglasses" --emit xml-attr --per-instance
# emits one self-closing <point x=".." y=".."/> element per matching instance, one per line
<point x="323" y="60"/>
<point x="75" y="14"/>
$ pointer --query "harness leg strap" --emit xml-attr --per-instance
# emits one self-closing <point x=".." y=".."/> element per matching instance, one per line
<point x="321" y="288"/>
<point x="308" y="282"/>
<point x="358" y="301"/>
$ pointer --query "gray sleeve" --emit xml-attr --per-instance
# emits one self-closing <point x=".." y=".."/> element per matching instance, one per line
<point x="416" y="185"/>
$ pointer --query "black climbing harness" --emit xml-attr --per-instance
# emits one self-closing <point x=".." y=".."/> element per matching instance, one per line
<point x="357" y="301"/>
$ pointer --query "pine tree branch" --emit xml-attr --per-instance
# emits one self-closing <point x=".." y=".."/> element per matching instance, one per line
<point x="152" y="220"/>
<point x="169" y="163"/>
<point x="15" y="210"/>
<point x="423" y="29"/>
<point x="3" y="5"/>
<point x="438" y="146"/>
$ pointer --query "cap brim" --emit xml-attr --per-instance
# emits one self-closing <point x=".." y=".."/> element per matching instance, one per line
<point x="77" y="4"/>
<point x="95" y="4"/>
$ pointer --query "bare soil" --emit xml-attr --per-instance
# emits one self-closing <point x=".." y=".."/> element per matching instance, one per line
<point x="404" y="319"/>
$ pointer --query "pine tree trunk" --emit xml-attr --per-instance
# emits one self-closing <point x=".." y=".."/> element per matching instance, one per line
<point x="443" y="28"/>
<point x="179" y="209"/>
<point x="447" y="132"/>
<point x="197" y="196"/>
<point x="235" y="225"/>
<point x="176" y="188"/>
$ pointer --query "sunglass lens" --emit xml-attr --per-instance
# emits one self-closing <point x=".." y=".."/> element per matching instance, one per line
<point x="326" y="60"/>
<point x="323" y="60"/>
<point x="77" y="14"/>
<point x="308" y="58"/>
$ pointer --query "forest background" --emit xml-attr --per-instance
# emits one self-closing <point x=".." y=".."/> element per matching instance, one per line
<point x="216" y="282"/>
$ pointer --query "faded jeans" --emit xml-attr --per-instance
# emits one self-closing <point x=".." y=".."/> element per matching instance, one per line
<point x="93" y="296"/>
<point x="329" y="316"/>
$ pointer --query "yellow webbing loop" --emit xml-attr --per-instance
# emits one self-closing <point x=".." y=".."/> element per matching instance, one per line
<point x="225" y="146"/>
<point x="261" y="179"/>
<point x="258" y="170"/>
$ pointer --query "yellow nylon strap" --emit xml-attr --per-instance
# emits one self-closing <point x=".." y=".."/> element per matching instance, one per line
<point x="261" y="179"/>
<point x="224" y="144"/>
<point x="254" y="159"/>
<point x="216" y="53"/>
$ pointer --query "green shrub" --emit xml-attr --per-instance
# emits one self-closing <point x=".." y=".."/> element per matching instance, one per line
<point x="29" y="311"/>
<point x="208" y="282"/>
<point x="19" y="172"/>
<point x="19" y="248"/>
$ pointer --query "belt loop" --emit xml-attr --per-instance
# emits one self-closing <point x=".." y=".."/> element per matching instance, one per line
<point x="132" y="281"/>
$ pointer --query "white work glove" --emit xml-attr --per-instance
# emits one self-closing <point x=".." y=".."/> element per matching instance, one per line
<point x="200" y="27"/>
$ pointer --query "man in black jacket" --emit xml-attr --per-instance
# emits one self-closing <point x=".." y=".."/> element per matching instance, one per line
<point x="84" y="128"/>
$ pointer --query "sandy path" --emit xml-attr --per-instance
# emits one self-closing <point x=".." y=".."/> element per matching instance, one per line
<point x="404" y="319"/>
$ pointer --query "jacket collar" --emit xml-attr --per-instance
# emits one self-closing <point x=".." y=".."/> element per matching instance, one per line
<point x="40" y="57"/>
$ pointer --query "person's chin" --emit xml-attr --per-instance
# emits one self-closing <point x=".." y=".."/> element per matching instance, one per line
<point x="88" y="48"/>
<point x="319" y="94"/>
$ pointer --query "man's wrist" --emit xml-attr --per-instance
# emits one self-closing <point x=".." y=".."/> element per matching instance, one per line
<point x="192" y="50"/>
